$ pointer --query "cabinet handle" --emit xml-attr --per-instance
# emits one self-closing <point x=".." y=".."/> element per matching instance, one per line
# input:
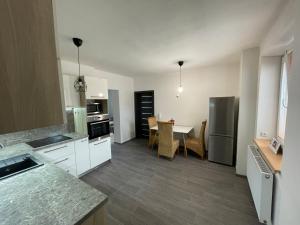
<point x="100" y="142"/>
<point x="105" y="121"/>
<point x="93" y="96"/>
<point x="55" y="149"/>
<point x="61" y="161"/>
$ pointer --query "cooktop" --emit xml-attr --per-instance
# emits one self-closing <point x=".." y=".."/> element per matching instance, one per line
<point x="48" y="141"/>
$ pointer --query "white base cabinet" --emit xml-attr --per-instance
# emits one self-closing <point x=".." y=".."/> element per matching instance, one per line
<point x="82" y="156"/>
<point x="100" y="152"/>
<point x="62" y="155"/>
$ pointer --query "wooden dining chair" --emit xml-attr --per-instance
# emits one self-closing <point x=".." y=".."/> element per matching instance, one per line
<point x="167" y="144"/>
<point x="197" y="145"/>
<point x="153" y="134"/>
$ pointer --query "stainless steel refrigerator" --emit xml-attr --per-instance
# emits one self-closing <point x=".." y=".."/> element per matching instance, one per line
<point x="222" y="130"/>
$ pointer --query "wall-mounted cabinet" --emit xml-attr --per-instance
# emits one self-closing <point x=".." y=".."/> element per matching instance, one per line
<point x="29" y="88"/>
<point x="96" y="88"/>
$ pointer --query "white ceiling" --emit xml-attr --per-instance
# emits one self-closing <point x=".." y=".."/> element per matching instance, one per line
<point x="143" y="37"/>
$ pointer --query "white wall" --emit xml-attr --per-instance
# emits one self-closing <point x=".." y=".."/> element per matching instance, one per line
<point x="288" y="204"/>
<point x="117" y="82"/>
<point x="199" y="84"/>
<point x="247" y="111"/>
<point x="280" y="35"/>
<point x="268" y="95"/>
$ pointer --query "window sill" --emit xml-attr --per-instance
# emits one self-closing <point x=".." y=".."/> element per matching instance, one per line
<point x="273" y="160"/>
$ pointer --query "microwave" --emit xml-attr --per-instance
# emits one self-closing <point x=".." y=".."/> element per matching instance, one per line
<point x="94" y="108"/>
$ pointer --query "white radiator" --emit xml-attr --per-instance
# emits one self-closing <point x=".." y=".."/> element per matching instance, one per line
<point x="260" y="180"/>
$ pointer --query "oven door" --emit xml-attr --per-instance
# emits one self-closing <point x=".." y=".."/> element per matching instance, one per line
<point x="98" y="129"/>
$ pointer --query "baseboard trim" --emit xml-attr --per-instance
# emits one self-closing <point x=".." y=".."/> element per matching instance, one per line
<point x="240" y="175"/>
<point x="123" y="142"/>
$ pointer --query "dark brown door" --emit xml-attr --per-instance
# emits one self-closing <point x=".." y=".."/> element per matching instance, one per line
<point x="144" y="108"/>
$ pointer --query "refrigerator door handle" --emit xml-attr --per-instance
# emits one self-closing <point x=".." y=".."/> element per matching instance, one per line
<point x="221" y="135"/>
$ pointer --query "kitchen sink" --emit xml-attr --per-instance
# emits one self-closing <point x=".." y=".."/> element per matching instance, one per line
<point x="17" y="164"/>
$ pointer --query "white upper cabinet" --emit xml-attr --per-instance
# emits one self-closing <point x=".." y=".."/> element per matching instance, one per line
<point x="71" y="96"/>
<point x="96" y="88"/>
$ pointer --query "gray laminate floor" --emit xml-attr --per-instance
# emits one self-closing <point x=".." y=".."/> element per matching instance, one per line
<point x="145" y="190"/>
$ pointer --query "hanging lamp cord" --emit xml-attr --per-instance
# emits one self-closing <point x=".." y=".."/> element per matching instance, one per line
<point x="78" y="60"/>
<point x="180" y="78"/>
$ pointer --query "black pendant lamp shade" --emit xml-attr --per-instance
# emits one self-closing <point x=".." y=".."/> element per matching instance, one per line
<point x="79" y="84"/>
<point x="77" y="42"/>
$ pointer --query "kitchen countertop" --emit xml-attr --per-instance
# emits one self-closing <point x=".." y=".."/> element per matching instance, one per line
<point x="74" y="136"/>
<point x="46" y="194"/>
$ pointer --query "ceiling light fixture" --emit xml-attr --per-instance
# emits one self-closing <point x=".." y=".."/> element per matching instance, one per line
<point x="79" y="84"/>
<point x="180" y="88"/>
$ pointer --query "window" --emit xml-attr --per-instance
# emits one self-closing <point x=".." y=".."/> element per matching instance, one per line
<point x="283" y="96"/>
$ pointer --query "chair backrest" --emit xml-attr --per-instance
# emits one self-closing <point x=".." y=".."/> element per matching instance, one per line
<point x="202" y="134"/>
<point x="165" y="130"/>
<point x="152" y="122"/>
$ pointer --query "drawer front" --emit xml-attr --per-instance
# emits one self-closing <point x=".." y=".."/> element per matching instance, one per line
<point x="82" y="156"/>
<point x="99" y="152"/>
<point x="65" y="162"/>
<point x="58" y="152"/>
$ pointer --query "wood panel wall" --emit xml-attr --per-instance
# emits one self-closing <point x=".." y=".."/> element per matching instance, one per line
<point x="30" y="95"/>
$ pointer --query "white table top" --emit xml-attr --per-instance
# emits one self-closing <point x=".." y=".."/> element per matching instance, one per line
<point x="178" y="129"/>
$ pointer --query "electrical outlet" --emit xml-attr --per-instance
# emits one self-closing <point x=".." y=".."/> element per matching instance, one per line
<point x="263" y="134"/>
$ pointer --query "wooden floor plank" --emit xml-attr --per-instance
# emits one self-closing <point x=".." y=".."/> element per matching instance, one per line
<point x="145" y="190"/>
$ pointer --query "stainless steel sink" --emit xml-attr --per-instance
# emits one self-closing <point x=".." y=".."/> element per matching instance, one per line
<point x="17" y="164"/>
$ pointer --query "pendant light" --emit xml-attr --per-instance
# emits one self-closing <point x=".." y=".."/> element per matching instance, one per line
<point x="180" y="88"/>
<point x="79" y="84"/>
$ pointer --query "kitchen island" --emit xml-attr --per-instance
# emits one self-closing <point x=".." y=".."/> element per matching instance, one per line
<point x="47" y="195"/>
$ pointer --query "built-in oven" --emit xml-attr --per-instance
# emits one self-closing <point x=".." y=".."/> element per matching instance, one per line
<point x="98" y="126"/>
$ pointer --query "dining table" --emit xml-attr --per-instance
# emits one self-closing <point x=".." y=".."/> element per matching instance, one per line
<point x="180" y="129"/>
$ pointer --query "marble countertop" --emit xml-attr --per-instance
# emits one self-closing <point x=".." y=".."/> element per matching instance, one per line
<point x="74" y="136"/>
<point x="45" y="195"/>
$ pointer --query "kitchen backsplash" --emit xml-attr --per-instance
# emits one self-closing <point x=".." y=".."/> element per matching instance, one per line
<point x="28" y="135"/>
